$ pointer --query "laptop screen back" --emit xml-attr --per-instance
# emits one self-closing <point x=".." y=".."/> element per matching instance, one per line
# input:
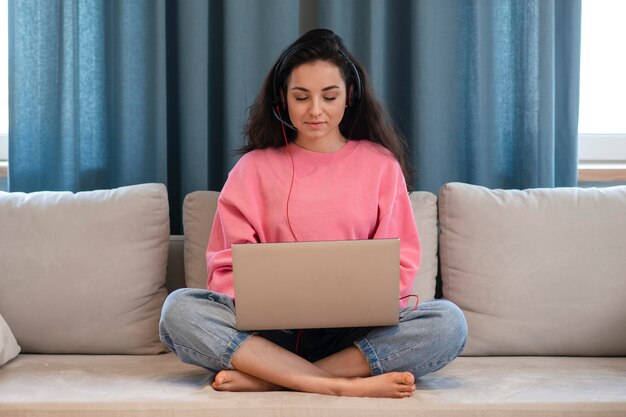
<point x="301" y="285"/>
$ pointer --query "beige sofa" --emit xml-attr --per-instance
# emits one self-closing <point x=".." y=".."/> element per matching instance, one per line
<point x="539" y="274"/>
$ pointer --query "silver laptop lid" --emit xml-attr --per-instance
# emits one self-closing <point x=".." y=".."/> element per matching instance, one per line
<point x="300" y="285"/>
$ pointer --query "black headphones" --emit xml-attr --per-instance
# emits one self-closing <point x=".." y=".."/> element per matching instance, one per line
<point x="278" y="97"/>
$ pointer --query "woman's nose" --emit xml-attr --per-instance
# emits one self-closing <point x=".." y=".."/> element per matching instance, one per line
<point x="315" y="108"/>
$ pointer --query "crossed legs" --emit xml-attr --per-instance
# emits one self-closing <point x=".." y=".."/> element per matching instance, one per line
<point x="260" y="365"/>
<point x="199" y="326"/>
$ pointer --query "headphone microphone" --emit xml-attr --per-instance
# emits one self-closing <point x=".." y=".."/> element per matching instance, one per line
<point x="277" y="115"/>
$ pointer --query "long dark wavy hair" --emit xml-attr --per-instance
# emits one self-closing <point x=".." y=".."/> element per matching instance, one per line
<point x="365" y="119"/>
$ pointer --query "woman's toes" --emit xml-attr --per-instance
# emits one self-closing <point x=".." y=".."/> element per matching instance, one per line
<point x="220" y="379"/>
<point x="408" y="378"/>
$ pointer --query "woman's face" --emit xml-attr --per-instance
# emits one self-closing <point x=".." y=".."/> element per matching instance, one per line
<point x="316" y="99"/>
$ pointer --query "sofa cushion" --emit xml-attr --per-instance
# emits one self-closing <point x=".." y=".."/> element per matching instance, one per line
<point x="8" y="345"/>
<point x="425" y="210"/>
<point x="198" y="215"/>
<point x="536" y="272"/>
<point x="84" y="272"/>
<point x="199" y="212"/>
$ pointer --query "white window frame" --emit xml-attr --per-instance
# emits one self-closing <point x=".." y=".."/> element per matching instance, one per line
<point x="602" y="158"/>
<point x="4" y="146"/>
<point x="4" y="165"/>
<point x="602" y="149"/>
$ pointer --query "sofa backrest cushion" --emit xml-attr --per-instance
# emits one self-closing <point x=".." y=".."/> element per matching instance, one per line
<point x="84" y="272"/>
<point x="536" y="272"/>
<point x="199" y="212"/>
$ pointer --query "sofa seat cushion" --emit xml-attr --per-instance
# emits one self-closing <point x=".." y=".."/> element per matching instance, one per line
<point x="152" y="385"/>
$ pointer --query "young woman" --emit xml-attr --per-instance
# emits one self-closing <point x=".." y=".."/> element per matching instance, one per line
<point x="322" y="162"/>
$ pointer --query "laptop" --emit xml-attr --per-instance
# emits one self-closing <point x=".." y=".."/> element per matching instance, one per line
<point x="302" y="285"/>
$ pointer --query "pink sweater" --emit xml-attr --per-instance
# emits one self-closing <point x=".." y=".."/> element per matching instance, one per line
<point x="358" y="192"/>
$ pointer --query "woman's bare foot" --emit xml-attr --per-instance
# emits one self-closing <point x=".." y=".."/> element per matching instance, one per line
<point x="390" y="385"/>
<point x="239" y="381"/>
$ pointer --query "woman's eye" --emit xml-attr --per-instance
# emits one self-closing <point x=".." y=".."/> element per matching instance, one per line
<point x="329" y="98"/>
<point x="300" y="98"/>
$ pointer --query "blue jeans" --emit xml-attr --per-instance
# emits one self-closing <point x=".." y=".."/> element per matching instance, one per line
<point x="199" y="326"/>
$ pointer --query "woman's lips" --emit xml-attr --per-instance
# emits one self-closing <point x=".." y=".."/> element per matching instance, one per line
<point x="315" y="125"/>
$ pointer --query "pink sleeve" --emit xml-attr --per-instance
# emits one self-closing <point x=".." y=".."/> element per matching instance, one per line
<point x="219" y="260"/>
<point x="230" y="226"/>
<point x="396" y="220"/>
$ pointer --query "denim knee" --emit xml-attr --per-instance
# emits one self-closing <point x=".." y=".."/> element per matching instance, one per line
<point x="199" y="327"/>
<point x="185" y="304"/>
<point x="426" y="340"/>
<point x="170" y="315"/>
<point x="449" y="338"/>
<point x="453" y="328"/>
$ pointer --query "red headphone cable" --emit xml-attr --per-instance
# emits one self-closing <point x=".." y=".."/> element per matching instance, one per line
<point x="293" y="175"/>
<point x="300" y="332"/>
<point x="417" y="299"/>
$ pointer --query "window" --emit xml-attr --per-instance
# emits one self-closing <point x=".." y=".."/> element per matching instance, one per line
<point x="602" y="120"/>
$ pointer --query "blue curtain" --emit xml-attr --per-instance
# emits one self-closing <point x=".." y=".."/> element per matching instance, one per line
<point x="218" y="54"/>
<point x="486" y="91"/>
<point x="87" y="94"/>
<point x="105" y="93"/>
